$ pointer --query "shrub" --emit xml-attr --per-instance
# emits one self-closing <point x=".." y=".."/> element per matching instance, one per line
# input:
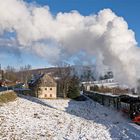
<point x="7" y="97"/>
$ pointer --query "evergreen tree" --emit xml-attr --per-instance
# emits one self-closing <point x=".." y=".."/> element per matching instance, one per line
<point x="73" y="88"/>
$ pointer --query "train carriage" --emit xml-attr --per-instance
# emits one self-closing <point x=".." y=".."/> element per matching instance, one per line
<point x="126" y="103"/>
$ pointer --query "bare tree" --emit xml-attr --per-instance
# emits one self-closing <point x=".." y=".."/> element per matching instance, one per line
<point x="64" y="74"/>
<point x="10" y="73"/>
<point x="25" y="74"/>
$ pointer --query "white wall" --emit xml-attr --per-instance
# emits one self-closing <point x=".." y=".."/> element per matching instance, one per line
<point x="47" y="92"/>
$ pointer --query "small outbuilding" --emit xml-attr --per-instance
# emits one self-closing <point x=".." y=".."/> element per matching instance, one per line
<point x="43" y="86"/>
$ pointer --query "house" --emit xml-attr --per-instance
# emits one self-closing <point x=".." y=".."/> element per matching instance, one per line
<point x="43" y="86"/>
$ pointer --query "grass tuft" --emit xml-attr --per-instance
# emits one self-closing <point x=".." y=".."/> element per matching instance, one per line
<point x="7" y="97"/>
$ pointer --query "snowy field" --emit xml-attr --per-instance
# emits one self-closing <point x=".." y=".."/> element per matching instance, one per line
<point x="34" y="119"/>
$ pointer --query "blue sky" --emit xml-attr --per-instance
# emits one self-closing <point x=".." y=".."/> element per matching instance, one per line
<point x="128" y="9"/>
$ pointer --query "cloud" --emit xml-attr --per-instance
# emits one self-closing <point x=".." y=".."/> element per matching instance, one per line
<point x="103" y="36"/>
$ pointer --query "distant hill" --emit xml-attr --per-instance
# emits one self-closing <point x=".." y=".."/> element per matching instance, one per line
<point x="54" y="71"/>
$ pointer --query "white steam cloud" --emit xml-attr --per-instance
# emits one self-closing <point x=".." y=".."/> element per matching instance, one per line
<point x="104" y="36"/>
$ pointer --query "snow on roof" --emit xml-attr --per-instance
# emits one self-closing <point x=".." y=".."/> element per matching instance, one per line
<point x="108" y="94"/>
<point x="21" y="89"/>
<point x="132" y="95"/>
<point x="35" y="78"/>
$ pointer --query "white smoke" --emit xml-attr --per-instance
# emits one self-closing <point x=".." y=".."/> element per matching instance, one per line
<point x="104" y="37"/>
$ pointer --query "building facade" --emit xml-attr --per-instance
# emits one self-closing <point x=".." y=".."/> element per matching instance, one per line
<point x="43" y="86"/>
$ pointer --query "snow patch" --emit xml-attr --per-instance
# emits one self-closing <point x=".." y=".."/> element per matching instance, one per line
<point x="31" y="118"/>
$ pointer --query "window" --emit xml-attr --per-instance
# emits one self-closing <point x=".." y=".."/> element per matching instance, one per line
<point x="50" y="88"/>
<point x="45" y="95"/>
<point x="45" y="88"/>
<point x="50" y="95"/>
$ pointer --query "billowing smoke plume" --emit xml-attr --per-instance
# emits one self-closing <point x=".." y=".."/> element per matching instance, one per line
<point x="104" y="38"/>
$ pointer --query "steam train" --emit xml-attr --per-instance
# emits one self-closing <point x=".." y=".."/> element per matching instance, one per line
<point x="126" y="103"/>
<point x="132" y="107"/>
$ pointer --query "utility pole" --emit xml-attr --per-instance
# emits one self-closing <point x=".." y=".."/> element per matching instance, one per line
<point x="0" y="73"/>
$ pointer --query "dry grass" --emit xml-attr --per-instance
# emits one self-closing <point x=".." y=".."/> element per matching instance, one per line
<point x="7" y="97"/>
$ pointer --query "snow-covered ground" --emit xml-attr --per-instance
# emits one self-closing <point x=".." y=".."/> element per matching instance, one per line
<point x="29" y="118"/>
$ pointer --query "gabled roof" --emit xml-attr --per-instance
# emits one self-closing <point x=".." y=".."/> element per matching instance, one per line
<point x="35" y="79"/>
<point x="43" y="80"/>
<point x="48" y="81"/>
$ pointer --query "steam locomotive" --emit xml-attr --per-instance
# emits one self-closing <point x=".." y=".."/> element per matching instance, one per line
<point x="126" y="103"/>
<point x="132" y="107"/>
